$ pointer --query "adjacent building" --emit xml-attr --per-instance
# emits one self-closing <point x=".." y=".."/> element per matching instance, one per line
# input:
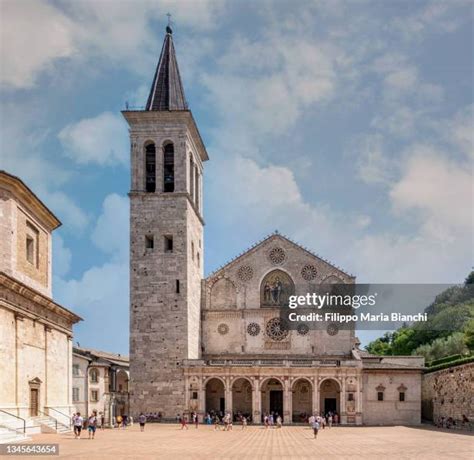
<point x="219" y="343"/>
<point x="35" y="331"/>
<point x="100" y="383"/>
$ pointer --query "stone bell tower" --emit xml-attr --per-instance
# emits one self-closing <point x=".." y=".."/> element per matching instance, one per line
<point x="166" y="241"/>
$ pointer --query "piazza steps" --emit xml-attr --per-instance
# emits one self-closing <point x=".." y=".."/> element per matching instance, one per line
<point x="10" y="435"/>
<point x="50" y="424"/>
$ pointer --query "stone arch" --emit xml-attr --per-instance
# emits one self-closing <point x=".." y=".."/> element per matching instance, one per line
<point x="215" y="395"/>
<point x="223" y="294"/>
<point x="149" y="149"/>
<point x="276" y="288"/>
<point x="168" y="166"/>
<point x="241" y="389"/>
<point x="272" y="389"/>
<point x="302" y="399"/>
<point x="330" y="395"/>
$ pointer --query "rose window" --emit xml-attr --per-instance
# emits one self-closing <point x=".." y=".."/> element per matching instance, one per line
<point x="308" y="272"/>
<point x="332" y="329"/>
<point x="245" y="273"/>
<point x="253" y="329"/>
<point x="223" y="329"/>
<point x="277" y="256"/>
<point x="302" y="329"/>
<point x="277" y="329"/>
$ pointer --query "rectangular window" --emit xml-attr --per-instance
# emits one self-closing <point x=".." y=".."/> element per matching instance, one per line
<point x="198" y="260"/>
<point x="168" y="243"/>
<point x="177" y="286"/>
<point x="350" y="397"/>
<point x="195" y="395"/>
<point x="75" y="394"/>
<point x="401" y="396"/>
<point x="30" y="250"/>
<point x="149" y="242"/>
<point x="94" y="395"/>
<point x="380" y="396"/>
<point x="75" y="369"/>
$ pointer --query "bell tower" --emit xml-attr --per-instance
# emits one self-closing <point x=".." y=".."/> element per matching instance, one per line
<point x="166" y="241"/>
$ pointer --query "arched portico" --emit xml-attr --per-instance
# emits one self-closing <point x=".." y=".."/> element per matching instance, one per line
<point x="329" y="394"/>
<point x="242" y="397"/>
<point x="302" y="400"/>
<point x="215" y="395"/>
<point x="272" y="390"/>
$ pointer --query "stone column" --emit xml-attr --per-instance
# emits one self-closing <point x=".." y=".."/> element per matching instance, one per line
<point x="287" y="403"/>
<point x="315" y="395"/>
<point x="359" y="400"/>
<point x="202" y="398"/>
<point x="343" y="402"/>
<point x="256" y="418"/>
<point x="228" y="395"/>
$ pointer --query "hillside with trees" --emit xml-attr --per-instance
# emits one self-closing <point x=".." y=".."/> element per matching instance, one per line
<point x="447" y="335"/>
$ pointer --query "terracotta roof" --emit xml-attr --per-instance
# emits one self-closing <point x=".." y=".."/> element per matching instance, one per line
<point x="114" y="357"/>
<point x="167" y="92"/>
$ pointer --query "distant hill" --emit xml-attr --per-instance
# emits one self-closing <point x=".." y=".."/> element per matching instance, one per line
<point x="449" y="330"/>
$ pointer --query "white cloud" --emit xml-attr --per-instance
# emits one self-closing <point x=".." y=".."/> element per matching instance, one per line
<point x="33" y="34"/>
<point x="72" y="216"/>
<point x="101" y="140"/>
<point x="438" y="189"/>
<point x="461" y="131"/>
<point x="62" y="256"/>
<point x="111" y="233"/>
<point x="372" y="164"/>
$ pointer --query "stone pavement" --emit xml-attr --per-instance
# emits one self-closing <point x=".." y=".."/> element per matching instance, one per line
<point x="169" y="442"/>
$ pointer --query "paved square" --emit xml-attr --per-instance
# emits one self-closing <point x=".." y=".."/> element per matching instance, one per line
<point x="169" y="442"/>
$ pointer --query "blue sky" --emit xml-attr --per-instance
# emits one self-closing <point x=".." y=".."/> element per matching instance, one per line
<point x="346" y="125"/>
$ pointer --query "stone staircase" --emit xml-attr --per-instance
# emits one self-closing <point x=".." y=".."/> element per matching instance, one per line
<point x="9" y="435"/>
<point x="49" y="425"/>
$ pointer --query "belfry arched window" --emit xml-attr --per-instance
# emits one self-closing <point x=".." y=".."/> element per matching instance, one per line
<point x="191" y="178"/>
<point x="150" y="167"/>
<point x="168" y="168"/>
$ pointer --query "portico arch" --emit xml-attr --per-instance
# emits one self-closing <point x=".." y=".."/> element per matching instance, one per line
<point x="272" y="396"/>
<point x="242" y="397"/>
<point x="302" y="400"/>
<point x="330" y="396"/>
<point x="215" y="395"/>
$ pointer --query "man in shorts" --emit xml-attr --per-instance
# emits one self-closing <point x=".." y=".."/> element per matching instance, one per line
<point x="92" y="425"/>
<point x="316" y="426"/>
<point x="142" y="421"/>
<point x="78" y="421"/>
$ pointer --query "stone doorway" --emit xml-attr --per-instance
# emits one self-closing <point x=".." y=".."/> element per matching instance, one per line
<point x="302" y="400"/>
<point x="272" y="397"/>
<point x="242" y="398"/>
<point x="215" y="396"/>
<point x="330" y="391"/>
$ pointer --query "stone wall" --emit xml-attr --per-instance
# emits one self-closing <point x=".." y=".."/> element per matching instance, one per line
<point x="391" y="411"/>
<point x="449" y="393"/>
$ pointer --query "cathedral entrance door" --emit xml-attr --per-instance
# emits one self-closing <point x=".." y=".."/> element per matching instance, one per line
<point x="276" y="402"/>
<point x="330" y="405"/>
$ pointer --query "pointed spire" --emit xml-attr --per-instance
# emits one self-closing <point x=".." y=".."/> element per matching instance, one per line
<point x="167" y="91"/>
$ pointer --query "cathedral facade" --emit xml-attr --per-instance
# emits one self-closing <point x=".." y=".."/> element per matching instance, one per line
<point x="219" y="344"/>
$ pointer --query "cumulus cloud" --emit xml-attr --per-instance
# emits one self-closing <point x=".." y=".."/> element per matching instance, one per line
<point x="72" y="215"/>
<point x="100" y="294"/>
<point x="88" y="31"/>
<point x="101" y="140"/>
<point x="435" y="187"/>
<point x="33" y="34"/>
<point x="62" y="256"/>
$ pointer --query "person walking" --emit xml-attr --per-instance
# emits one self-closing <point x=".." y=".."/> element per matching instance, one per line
<point x="316" y="426"/>
<point x="92" y="425"/>
<point x="330" y="421"/>
<point x="78" y="421"/>
<point x="217" y="425"/>
<point x="142" y="421"/>
<point x="102" y="420"/>
<point x="184" y="422"/>
<point x="279" y="421"/>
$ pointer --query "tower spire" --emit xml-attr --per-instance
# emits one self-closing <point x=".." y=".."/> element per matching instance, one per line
<point x="167" y="92"/>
